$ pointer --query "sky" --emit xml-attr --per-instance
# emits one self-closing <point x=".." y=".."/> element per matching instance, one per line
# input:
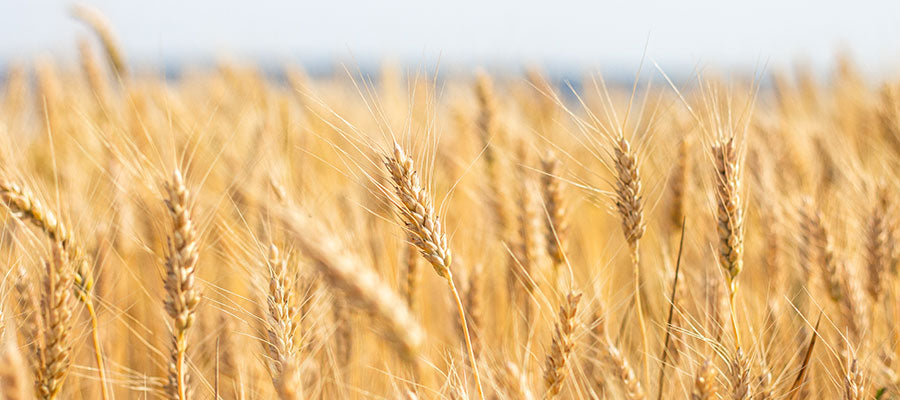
<point x="676" y="34"/>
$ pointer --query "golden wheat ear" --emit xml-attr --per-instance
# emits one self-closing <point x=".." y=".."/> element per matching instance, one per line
<point x="556" y="365"/>
<point x="282" y="322"/>
<point x="182" y="294"/>
<point x="427" y="234"/>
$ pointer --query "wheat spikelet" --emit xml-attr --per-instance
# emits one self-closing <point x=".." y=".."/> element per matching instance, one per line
<point x="282" y="321"/>
<point x="56" y="305"/>
<point x="556" y="209"/>
<point x="877" y="242"/>
<point x="561" y="347"/>
<point x="417" y="213"/>
<point x="705" y="387"/>
<point x="182" y="297"/>
<point x="628" y="193"/>
<point x="816" y="235"/>
<point x="522" y="269"/>
<point x="730" y="214"/>
<point x="852" y="303"/>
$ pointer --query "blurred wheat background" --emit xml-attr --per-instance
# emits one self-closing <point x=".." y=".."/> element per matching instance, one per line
<point x="233" y="233"/>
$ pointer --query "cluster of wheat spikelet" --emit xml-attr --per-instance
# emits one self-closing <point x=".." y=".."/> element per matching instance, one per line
<point x="227" y="234"/>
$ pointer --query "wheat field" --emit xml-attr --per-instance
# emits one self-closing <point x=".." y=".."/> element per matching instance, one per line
<point x="232" y="234"/>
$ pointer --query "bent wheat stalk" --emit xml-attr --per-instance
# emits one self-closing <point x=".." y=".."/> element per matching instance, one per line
<point x="427" y="234"/>
<point x="26" y="207"/>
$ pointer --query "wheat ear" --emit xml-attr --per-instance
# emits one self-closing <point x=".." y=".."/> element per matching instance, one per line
<point x="56" y="309"/>
<point x="427" y="233"/>
<point x="818" y="248"/>
<point x="561" y="346"/>
<point x="556" y="209"/>
<point x="282" y="322"/>
<point x="631" y="211"/>
<point x="182" y="295"/>
<point x="877" y="242"/>
<point x="730" y="219"/>
<point x="25" y="206"/>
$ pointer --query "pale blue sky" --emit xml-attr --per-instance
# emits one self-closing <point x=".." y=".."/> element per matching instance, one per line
<point x="564" y="33"/>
